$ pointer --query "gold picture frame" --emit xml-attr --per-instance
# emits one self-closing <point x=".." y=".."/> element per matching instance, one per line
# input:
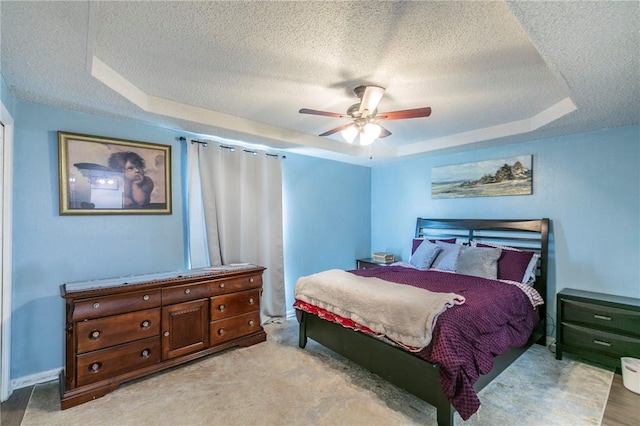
<point x="100" y="175"/>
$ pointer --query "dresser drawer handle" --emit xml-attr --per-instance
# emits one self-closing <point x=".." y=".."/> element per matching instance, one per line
<point x="601" y="343"/>
<point x="251" y="300"/>
<point x="145" y="353"/>
<point x="187" y="290"/>
<point x="96" y="305"/>
<point x="221" y="307"/>
<point x="251" y="323"/>
<point x="602" y="317"/>
<point x="250" y="280"/>
<point x="145" y="324"/>
<point x="94" y="335"/>
<point x="220" y="331"/>
<point x="145" y="297"/>
<point x="221" y="285"/>
<point x="95" y="367"/>
<point x="166" y="334"/>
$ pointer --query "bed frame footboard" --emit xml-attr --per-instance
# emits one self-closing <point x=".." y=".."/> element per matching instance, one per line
<point x="402" y="368"/>
<point x="395" y="365"/>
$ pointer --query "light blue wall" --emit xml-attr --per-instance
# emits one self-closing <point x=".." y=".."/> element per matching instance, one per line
<point x="326" y="225"/>
<point x="587" y="184"/>
<point x="327" y="220"/>
<point x="49" y="249"/>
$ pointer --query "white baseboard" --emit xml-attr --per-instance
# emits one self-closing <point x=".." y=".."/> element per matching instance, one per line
<point x="291" y="313"/>
<point x="34" y="379"/>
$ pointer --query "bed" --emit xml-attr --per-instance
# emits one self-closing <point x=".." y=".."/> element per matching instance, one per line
<point x="447" y="385"/>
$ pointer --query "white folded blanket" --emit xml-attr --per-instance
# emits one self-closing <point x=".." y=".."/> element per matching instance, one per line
<point x="403" y="313"/>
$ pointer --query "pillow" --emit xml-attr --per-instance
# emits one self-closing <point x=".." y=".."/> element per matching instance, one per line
<point x="530" y="274"/>
<point x="479" y="262"/>
<point x="447" y="259"/>
<point x="515" y="265"/>
<point x="424" y="255"/>
<point x="417" y="241"/>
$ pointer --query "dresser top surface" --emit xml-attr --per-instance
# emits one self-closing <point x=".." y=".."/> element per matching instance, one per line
<point x="603" y="297"/>
<point x="159" y="278"/>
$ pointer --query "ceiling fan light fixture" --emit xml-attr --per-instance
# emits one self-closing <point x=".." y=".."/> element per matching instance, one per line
<point x="349" y="134"/>
<point x="369" y="133"/>
<point x="372" y="130"/>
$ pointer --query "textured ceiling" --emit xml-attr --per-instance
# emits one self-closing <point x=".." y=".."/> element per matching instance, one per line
<point x="492" y="72"/>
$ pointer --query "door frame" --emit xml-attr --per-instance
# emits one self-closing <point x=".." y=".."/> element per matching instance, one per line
<point x="6" y="266"/>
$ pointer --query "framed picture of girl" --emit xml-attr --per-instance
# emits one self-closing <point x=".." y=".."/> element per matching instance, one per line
<point x="99" y="175"/>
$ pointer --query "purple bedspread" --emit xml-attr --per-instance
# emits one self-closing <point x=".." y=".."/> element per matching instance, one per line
<point x="495" y="317"/>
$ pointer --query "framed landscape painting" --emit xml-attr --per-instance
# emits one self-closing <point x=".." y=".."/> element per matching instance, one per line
<point x="492" y="178"/>
<point x="99" y="175"/>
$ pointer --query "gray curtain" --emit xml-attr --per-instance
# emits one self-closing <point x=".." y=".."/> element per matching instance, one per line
<point x="235" y="215"/>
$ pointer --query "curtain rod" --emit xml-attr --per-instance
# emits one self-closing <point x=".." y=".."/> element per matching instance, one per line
<point x="204" y="143"/>
<point x="232" y="148"/>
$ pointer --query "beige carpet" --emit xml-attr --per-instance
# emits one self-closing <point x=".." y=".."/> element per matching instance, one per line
<point x="276" y="383"/>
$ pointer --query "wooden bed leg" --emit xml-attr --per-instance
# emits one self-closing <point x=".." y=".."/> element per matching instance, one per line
<point x="445" y="414"/>
<point x="302" y="336"/>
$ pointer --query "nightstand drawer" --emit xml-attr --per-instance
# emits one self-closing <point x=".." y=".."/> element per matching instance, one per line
<point x="602" y="317"/>
<point x="598" y="341"/>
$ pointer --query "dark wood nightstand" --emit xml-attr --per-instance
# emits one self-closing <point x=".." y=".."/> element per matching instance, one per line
<point x="368" y="263"/>
<point x="598" y="327"/>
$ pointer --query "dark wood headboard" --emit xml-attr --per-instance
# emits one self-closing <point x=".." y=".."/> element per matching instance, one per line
<point x="523" y="234"/>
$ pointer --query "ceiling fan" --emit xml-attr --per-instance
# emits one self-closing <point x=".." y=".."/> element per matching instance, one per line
<point x="365" y="118"/>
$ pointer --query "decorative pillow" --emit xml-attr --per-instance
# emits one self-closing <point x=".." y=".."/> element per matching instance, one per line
<point x="530" y="274"/>
<point x="417" y="241"/>
<point x="447" y="259"/>
<point x="479" y="262"/>
<point x="424" y="255"/>
<point x="515" y="265"/>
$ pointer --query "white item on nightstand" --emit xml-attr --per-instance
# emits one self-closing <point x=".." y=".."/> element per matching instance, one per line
<point x="631" y="374"/>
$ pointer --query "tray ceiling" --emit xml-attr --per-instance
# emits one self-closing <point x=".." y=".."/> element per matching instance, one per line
<point x="492" y="72"/>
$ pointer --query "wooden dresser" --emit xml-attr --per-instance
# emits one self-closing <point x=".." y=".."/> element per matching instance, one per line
<point x="598" y="327"/>
<point x="125" y="328"/>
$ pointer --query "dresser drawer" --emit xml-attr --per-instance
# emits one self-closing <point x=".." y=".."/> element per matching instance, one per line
<point x="236" y="284"/>
<point x="229" y="305"/>
<point x="231" y="328"/>
<point x="183" y="293"/>
<point x="103" y="332"/>
<point x="108" y="363"/>
<point x="597" y="341"/>
<point x="602" y="317"/>
<point x="117" y="304"/>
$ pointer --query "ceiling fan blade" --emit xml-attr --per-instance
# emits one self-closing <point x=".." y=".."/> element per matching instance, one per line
<point x="370" y="99"/>
<point x="336" y="129"/>
<point x="406" y="113"/>
<point x="384" y="132"/>
<point x="325" y="113"/>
